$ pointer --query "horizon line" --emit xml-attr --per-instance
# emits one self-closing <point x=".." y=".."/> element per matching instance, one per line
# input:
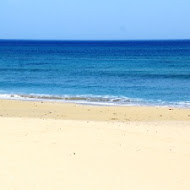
<point x="93" y="40"/>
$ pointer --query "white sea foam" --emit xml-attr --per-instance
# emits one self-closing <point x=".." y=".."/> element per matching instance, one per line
<point x="94" y="100"/>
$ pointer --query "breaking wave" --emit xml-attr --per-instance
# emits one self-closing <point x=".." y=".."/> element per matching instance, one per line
<point x="94" y="100"/>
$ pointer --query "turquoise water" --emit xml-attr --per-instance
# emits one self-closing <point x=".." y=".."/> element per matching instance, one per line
<point x="97" y="72"/>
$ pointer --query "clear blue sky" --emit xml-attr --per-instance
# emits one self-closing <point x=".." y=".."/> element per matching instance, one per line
<point x="94" y="19"/>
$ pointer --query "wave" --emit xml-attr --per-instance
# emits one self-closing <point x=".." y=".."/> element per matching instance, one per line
<point x="89" y="99"/>
<point x="95" y="100"/>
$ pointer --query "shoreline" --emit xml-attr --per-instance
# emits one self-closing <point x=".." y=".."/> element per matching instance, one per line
<point x="67" y="111"/>
<point x="96" y="100"/>
<point x="99" y="104"/>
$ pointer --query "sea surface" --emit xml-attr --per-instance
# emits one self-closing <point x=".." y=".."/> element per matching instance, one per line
<point x="97" y="72"/>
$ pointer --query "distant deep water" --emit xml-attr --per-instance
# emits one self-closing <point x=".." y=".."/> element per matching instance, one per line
<point x="97" y="72"/>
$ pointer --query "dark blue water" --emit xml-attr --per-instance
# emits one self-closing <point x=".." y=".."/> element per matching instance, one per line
<point x="100" y="72"/>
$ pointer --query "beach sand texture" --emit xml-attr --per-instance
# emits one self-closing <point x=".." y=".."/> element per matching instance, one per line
<point x="48" y="146"/>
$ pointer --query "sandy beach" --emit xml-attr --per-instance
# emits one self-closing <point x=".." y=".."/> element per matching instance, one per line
<point x="47" y="146"/>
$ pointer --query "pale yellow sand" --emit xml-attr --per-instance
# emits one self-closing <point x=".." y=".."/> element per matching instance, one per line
<point x="93" y="148"/>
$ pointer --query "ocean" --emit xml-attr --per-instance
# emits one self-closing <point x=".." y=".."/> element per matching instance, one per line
<point x="125" y="73"/>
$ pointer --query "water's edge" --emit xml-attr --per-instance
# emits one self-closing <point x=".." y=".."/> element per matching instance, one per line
<point x="93" y="100"/>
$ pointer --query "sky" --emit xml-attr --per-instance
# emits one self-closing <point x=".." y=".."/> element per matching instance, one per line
<point x="94" y="19"/>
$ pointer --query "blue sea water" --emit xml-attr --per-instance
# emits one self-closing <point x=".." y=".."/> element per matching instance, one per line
<point x="97" y="72"/>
